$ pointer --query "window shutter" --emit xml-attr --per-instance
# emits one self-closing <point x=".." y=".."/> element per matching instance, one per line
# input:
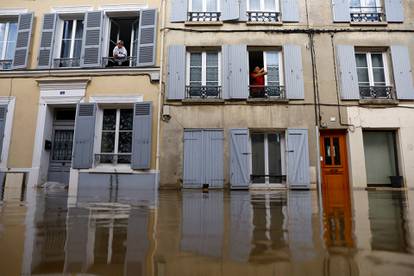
<point x="403" y="74"/>
<point x="178" y="11"/>
<point x="213" y="155"/>
<point x="235" y="80"/>
<point x="229" y="10"/>
<point x="147" y="38"/>
<point x="341" y="10"/>
<point x="176" y="72"/>
<point x="47" y="41"/>
<point x="91" y="42"/>
<point x="346" y="67"/>
<point x="142" y="136"/>
<point x="295" y="88"/>
<point x="239" y="158"/>
<point x="24" y="37"/>
<point x="394" y="10"/>
<point x="298" y="159"/>
<point x="84" y="136"/>
<point x="290" y="10"/>
<point x="243" y="10"/>
<point x="3" y="116"/>
<point x="193" y="159"/>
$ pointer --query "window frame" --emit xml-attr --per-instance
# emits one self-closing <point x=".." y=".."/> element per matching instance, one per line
<point x="204" y="4"/>
<point x="5" y="42"/>
<point x="203" y="66"/>
<point x="262" y="6"/>
<point x="370" y="68"/>
<point x="363" y="3"/>
<point x="265" y="65"/>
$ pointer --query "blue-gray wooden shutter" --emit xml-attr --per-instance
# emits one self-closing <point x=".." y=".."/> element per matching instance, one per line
<point x="47" y="41"/>
<point x="24" y="37"/>
<point x="294" y="83"/>
<point x="178" y="12"/>
<point x="84" y="136"/>
<point x="394" y="10"/>
<point x="341" y="10"/>
<point x="243" y="10"/>
<point x="235" y="72"/>
<point x="240" y="155"/>
<point x="290" y="10"/>
<point x="403" y="73"/>
<point x="92" y="37"/>
<point x="298" y="159"/>
<point x="193" y="159"/>
<point x="3" y="116"/>
<point x="229" y="10"/>
<point x="147" y="42"/>
<point x="213" y="154"/>
<point x="176" y="72"/>
<point x="142" y="136"/>
<point x="347" y="72"/>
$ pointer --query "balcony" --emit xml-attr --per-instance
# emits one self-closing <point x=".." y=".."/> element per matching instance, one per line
<point x="112" y="158"/>
<point x="203" y="16"/>
<point x="203" y="92"/>
<point x="263" y="17"/>
<point x="367" y="15"/>
<point x="6" y="64"/>
<point x="66" y="62"/>
<point x="267" y="92"/>
<point x="377" y="92"/>
<point x="109" y="62"/>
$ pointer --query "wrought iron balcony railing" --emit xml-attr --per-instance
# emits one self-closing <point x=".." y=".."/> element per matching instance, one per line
<point x="367" y="14"/>
<point x="112" y="158"/>
<point x="265" y="17"/>
<point x="66" y="62"/>
<point x="203" y="92"/>
<point x="377" y="92"/>
<point x="118" y="62"/>
<point x="267" y="91"/>
<point x="6" y="64"/>
<point x="204" y="16"/>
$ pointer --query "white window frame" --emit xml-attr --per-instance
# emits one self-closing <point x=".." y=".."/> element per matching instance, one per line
<point x="72" y="37"/>
<point x="280" y="56"/>
<point x="370" y="68"/>
<point x="262" y="6"/>
<point x="6" y="36"/>
<point x="203" y="66"/>
<point x="204" y="8"/>
<point x="364" y="3"/>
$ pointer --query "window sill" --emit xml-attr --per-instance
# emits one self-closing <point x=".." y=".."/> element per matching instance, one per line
<point x="203" y="23"/>
<point x="378" y="102"/>
<point x="369" y="23"/>
<point x="254" y="23"/>
<point x="202" y="101"/>
<point x="266" y="100"/>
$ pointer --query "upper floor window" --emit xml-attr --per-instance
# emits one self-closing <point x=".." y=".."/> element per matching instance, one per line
<point x="70" y="43"/>
<point x="367" y="11"/>
<point x="263" y="11"/>
<point x="8" y="37"/>
<point x="203" y="10"/>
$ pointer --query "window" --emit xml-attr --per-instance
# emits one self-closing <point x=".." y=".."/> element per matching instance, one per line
<point x="367" y="11"/>
<point x="203" y="74"/>
<point x="263" y="11"/>
<point x="71" y="44"/>
<point x="203" y="10"/>
<point x="8" y="37"/>
<point x="116" y="141"/>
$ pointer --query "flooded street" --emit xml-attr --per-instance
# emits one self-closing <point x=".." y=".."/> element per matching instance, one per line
<point x="214" y="233"/>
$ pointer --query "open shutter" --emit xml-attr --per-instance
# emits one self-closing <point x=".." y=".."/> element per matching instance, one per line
<point x="3" y="116"/>
<point x="193" y="159"/>
<point x="347" y="72"/>
<point x="295" y="87"/>
<point x="229" y="10"/>
<point x="243" y="10"/>
<point x="84" y="136"/>
<point x="142" y="136"/>
<point x="298" y="159"/>
<point x="341" y="10"/>
<point x="24" y="35"/>
<point x="290" y="10"/>
<point x="235" y="72"/>
<point x="213" y="155"/>
<point x="91" y="42"/>
<point x="147" y="38"/>
<point x="178" y="11"/>
<point x="403" y="74"/>
<point x="47" y="41"/>
<point x="176" y="72"/>
<point x="394" y="10"/>
<point x="239" y="158"/>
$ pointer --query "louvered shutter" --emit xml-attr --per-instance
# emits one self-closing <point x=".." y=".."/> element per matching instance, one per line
<point x="341" y="10"/>
<point x="346" y="66"/>
<point x="92" y="37"/>
<point x="298" y="159"/>
<point x="235" y="72"/>
<point x="84" y="136"/>
<point x="193" y="159"/>
<point x="146" y="49"/>
<point x="394" y="10"/>
<point x="240" y="155"/>
<point x="47" y="41"/>
<point x="3" y="116"/>
<point x="403" y="73"/>
<point x="229" y="10"/>
<point x="176" y="72"/>
<point x="24" y="37"/>
<point x="142" y="136"/>
<point x="290" y="10"/>
<point x="178" y="12"/>
<point x="213" y="154"/>
<point x="243" y="10"/>
<point x="295" y="87"/>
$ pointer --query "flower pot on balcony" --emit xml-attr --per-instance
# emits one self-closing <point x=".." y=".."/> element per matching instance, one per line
<point x="396" y="181"/>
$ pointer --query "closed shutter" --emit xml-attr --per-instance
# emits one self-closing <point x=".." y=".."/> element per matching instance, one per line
<point x="147" y="38"/>
<point x="91" y="43"/>
<point x="3" y="116"/>
<point x="235" y="72"/>
<point x="229" y="10"/>
<point x="176" y="72"/>
<point x="239" y="159"/>
<point x="295" y="87"/>
<point x="47" y="41"/>
<point x="213" y="154"/>
<point x="290" y="10"/>
<point x="298" y="159"/>
<point x="142" y="136"/>
<point x="24" y="37"/>
<point x="243" y="10"/>
<point x="84" y="136"/>
<point x="193" y="159"/>
<point x="394" y="10"/>
<point x="403" y="73"/>
<point x="178" y="11"/>
<point x="341" y="11"/>
<point x="348" y="78"/>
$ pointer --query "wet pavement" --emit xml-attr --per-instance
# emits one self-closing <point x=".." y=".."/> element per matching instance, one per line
<point x="214" y="233"/>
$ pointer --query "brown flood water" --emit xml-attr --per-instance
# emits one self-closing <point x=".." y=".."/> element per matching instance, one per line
<point x="216" y="233"/>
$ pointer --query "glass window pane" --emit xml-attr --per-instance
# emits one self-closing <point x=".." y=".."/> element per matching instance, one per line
<point x="212" y="74"/>
<point x="67" y="29"/>
<point x="11" y="46"/>
<point x="195" y="59"/>
<point x="126" y="119"/>
<point x="195" y="74"/>
<point x="361" y="60"/>
<point x="377" y="60"/>
<point x="363" y="75"/>
<point x="108" y="142"/>
<point x="78" y="48"/>
<point x="328" y="157"/>
<point x="197" y="5"/>
<point x="79" y="29"/>
<point x="65" y="51"/>
<point x="270" y="5"/>
<point x="379" y="75"/>
<point x="125" y="142"/>
<point x="109" y="119"/>
<point x="273" y="74"/>
<point x="2" y="31"/>
<point x="355" y="3"/>
<point x="258" y="158"/>
<point x="212" y="59"/>
<point x="255" y="5"/>
<point x="336" y="151"/>
<point x="12" y="32"/>
<point x="275" y="158"/>
<point x="211" y="5"/>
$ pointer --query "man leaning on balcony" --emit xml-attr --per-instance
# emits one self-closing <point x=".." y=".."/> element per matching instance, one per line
<point x="120" y="54"/>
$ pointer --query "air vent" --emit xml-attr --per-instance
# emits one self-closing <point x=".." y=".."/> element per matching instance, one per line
<point x="86" y="110"/>
<point x="142" y="109"/>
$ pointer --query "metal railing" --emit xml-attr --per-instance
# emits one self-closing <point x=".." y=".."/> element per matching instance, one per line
<point x="116" y="62"/>
<point x="6" y="64"/>
<point x="267" y="91"/>
<point x="367" y="14"/>
<point x="265" y="17"/>
<point x="203" y="92"/>
<point x="66" y="62"/>
<point x="377" y="92"/>
<point x="203" y="16"/>
<point x="112" y="158"/>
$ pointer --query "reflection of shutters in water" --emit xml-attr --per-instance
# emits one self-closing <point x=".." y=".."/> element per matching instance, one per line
<point x="62" y="145"/>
